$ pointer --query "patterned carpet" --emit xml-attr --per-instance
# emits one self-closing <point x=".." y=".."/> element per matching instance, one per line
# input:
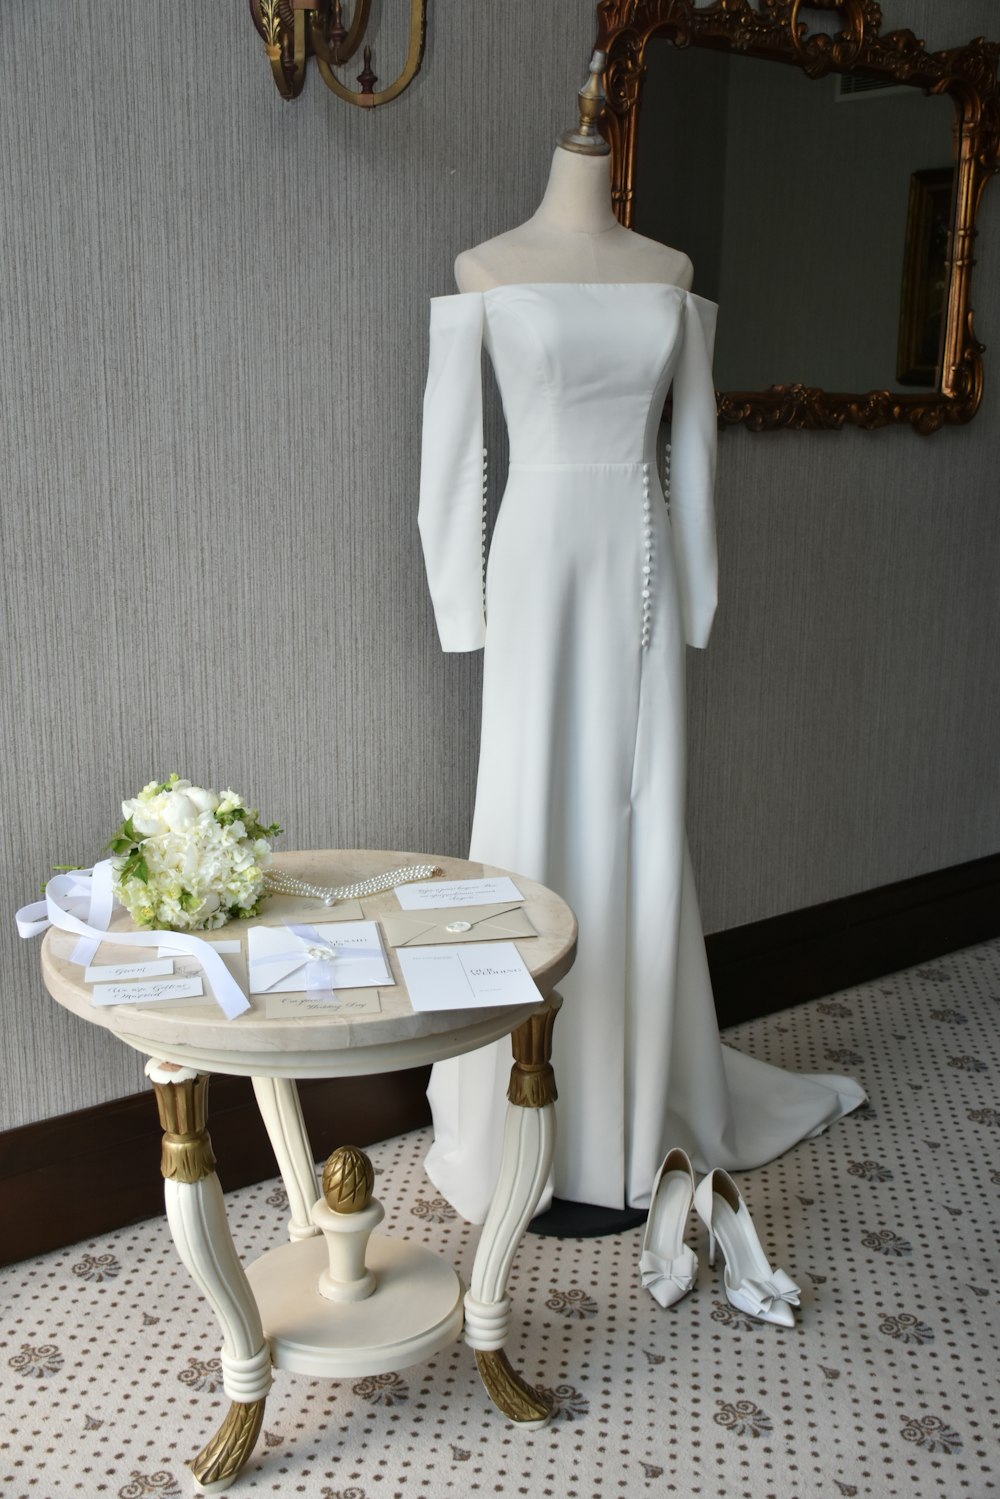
<point x="889" y="1385"/>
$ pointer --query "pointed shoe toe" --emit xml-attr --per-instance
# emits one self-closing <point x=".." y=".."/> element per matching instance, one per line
<point x="668" y="1280"/>
<point x="781" y="1314"/>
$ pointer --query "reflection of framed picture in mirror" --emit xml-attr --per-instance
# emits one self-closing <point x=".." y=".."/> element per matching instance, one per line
<point x="925" y="277"/>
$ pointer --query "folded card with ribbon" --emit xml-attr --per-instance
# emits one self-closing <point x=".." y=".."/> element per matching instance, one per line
<point x="497" y="923"/>
<point x="296" y="958"/>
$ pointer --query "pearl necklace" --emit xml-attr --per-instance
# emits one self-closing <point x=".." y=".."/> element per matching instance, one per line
<point x="278" y="883"/>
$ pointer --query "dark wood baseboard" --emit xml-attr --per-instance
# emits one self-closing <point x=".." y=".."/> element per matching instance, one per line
<point x="69" y="1178"/>
<point x="785" y="960"/>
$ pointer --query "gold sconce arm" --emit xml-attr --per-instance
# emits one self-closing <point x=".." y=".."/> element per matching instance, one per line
<point x="332" y="42"/>
<point x="292" y="32"/>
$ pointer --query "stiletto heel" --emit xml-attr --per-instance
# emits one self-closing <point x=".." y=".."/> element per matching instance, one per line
<point x="666" y="1265"/>
<point x="751" y="1285"/>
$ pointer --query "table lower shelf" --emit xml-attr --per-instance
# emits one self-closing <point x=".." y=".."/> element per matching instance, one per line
<point x="415" y="1310"/>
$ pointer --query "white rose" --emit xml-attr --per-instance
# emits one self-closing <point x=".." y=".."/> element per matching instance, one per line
<point x="146" y="823"/>
<point x="205" y="801"/>
<point x="179" y="812"/>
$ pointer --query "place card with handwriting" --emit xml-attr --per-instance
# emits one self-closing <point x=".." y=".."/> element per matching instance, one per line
<point x="155" y="991"/>
<point x="466" y="978"/>
<point x="100" y="973"/>
<point x="433" y="895"/>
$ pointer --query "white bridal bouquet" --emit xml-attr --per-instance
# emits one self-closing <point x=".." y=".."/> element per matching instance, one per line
<point x="188" y="859"/>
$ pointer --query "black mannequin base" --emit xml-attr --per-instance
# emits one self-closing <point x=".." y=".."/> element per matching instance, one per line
<point x="580" y="1220"/>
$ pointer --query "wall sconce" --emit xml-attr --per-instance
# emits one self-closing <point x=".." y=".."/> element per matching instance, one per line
<point x="295" y="30"/>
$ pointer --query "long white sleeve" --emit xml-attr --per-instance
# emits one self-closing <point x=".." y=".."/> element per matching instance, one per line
<point x="451" y="471"/>
<point x="694" y="440"/>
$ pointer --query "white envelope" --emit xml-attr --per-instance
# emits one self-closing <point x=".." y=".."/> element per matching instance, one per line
<point x="497" y="923"/>
<point x="279" y="959"/>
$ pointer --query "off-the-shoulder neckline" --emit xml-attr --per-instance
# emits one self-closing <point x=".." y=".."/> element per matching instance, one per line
<point x="580" y="285"/>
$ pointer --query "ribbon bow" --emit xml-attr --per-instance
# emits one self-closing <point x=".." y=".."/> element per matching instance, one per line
<point x="760" y="1295"/>
<point x="660" y="1276"/>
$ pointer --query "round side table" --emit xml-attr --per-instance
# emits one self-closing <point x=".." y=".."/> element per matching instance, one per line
<point x="273" y="1314"/>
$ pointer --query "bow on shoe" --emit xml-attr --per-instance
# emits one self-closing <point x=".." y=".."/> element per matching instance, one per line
<point x="760" y="1296"/>
<point x="668" y="1280"/>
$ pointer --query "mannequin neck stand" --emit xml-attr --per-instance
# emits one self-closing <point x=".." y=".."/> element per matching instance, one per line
<point x="577" y="198"/>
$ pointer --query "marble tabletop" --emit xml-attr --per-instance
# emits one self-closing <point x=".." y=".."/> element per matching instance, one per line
<point x="197" y="1033"/>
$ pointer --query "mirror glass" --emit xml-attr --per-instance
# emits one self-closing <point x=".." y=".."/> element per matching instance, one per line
<point x="817" y="213"/>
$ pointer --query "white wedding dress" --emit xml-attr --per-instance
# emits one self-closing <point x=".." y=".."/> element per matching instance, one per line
<point x="591" y="591"/>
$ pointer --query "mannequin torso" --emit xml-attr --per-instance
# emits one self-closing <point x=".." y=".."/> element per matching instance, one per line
<point x="573" y="236"/>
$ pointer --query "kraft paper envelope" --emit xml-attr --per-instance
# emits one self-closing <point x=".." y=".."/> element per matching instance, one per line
<point x="498" y="923"/>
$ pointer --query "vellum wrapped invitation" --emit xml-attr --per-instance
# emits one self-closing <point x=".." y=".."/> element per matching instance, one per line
<point x="298" y="958"/>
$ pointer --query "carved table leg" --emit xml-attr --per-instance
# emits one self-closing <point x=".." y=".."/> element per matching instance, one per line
<point x="529" y="1140"/>
<point x="196" y="1213"/>
<point x="281" y="1111"/>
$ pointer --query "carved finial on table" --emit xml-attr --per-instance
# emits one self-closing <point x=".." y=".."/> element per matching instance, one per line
<point x="586" y="138"/>
<point x="345" y="1217"/>
<point x="348" y="1180"/>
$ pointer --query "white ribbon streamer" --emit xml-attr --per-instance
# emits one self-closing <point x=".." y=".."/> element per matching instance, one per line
<point x="94" y="887"/>
<point x="101" y="905"/>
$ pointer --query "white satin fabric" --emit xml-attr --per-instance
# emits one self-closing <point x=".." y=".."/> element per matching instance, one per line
<point x="582" y="763"/>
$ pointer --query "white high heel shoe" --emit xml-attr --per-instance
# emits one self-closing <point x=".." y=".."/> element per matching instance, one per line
<point x="666" y="1265"/>
<point x="751" y="1285"/>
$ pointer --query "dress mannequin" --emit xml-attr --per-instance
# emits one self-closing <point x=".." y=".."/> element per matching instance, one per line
<point x="582" y="755"/>
<point x="574" y="236"/>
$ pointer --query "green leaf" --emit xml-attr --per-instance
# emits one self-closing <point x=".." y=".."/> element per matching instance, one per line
<point x="235" y="814"/>
<point x="135" y="868"/>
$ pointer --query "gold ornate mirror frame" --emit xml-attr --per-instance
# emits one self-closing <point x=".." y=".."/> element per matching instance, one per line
<point x="775" y="31"/>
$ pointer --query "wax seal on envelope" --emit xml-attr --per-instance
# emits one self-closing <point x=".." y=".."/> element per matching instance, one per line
<point x="498" y="922"/>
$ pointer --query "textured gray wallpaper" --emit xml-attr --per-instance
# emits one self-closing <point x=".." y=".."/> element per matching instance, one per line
<point x="212" y="345"/>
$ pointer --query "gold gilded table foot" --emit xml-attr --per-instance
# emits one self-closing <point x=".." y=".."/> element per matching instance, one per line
<point x="529" y="1140"/>
<point x="509" y="1392"/>
<point x="221" y="1459"/>
<point x="196" y="1212"/>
